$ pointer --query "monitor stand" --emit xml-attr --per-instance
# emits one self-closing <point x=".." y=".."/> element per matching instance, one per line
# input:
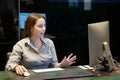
<point x="106" y="61"/>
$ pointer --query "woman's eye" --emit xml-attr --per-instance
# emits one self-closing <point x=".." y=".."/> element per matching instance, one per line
<point x="40" y="26"/>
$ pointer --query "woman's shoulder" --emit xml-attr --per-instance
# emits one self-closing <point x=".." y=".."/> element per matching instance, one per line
<point x="22" y="41"/>
<point x="47" y="40"/>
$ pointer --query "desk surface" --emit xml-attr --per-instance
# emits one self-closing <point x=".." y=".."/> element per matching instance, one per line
<point x="71" y="73"/>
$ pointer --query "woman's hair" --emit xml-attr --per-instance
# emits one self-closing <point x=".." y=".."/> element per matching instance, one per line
<point x="30" y="22"/>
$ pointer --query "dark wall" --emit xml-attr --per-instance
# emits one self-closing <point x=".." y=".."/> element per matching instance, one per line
<point x="69" y="25"/>
<point x="8" y="28"/>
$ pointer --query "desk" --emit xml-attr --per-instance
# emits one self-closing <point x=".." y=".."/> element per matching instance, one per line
<point x="71" y="73"/>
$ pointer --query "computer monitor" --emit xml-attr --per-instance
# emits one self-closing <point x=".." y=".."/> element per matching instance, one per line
<point x="23" y="16"/>
<point x="99" y="49"/>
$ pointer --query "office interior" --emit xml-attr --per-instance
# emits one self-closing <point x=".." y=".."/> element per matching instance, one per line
<point x="66" y="22"/>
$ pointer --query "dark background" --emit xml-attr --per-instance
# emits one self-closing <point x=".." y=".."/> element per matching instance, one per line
<point x="69" y="25"/>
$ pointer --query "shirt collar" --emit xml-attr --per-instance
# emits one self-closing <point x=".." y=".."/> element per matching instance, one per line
<point x="28" y="41"/>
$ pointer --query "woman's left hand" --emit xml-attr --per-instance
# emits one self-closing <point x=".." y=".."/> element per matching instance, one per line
<point x="67" y="61"/>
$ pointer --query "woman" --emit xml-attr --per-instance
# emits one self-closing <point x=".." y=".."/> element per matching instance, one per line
<point x="34" y="51"/>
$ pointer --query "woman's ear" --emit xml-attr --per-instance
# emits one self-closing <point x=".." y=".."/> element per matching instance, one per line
<point x="31" y="30"/>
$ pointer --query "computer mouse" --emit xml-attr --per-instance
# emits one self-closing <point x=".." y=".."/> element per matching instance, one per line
<point x="26" y="74"/>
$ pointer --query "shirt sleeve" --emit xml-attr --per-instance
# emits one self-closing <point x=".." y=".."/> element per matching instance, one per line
<point x="54" y="55"/>
<point x="14" y="58"/>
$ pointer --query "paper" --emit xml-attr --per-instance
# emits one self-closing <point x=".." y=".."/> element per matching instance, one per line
<point x="82" y="67"/>
<point x="86" y="67"/>
<point x="47" y="70"/>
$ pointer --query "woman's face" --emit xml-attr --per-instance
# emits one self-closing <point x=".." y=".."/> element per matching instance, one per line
<point x="39" y="28"/>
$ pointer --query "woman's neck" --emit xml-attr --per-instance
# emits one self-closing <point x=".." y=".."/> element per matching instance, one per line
<point x="37" y="43"/>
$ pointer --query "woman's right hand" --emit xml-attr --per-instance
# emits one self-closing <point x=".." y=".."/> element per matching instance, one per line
<point x="20" y="69"/>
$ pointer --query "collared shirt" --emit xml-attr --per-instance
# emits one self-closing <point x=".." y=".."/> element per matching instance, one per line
<point x="24" y="53"/>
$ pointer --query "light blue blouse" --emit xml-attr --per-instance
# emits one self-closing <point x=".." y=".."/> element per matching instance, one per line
<point x="24" y="53"/>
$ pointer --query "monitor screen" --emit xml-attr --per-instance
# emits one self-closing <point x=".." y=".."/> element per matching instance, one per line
<point x="97" y="34"/>
<point x="23" y="16"/>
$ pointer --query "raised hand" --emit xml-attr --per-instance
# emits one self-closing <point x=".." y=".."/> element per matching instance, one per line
<point x="67" y="61"/>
